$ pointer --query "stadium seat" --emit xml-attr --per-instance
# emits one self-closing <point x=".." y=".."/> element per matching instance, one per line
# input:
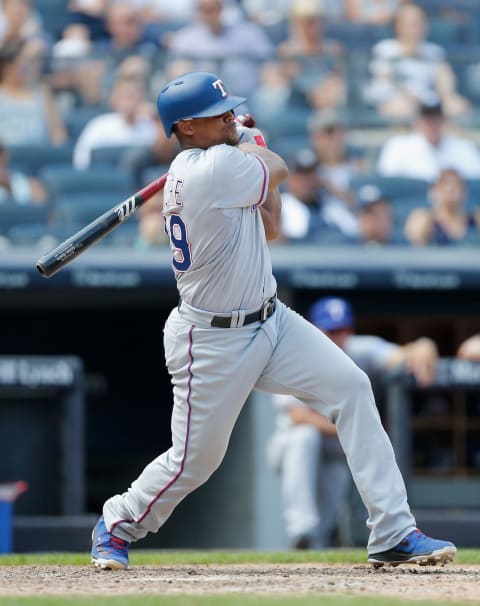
<point x="393" y="187"/>
<point x="54" y="14"/>
<point x="31" y="159"/>
<point x="357" y="35"/>
<point x="12" y="214"/>
<point x="28" y="234"/>
<point x="445" y="31"/>
<point x="290" y="121"/>
<point x="151" y="173"/>
<point x="74" y="211"/>
<point x="63" y="179"/>
<point x="114" y="155"/>
<point x="403" y="206"/>
<point x="82" y="207"/>
<point x="473" y="193"/>
<point x="288" y="145"/>
<point x="77" y="118"/>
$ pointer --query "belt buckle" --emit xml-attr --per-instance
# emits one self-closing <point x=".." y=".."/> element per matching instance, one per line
<point x="264" y="313"/>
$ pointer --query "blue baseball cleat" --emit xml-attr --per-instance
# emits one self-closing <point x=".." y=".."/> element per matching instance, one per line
<point x="416" y="548"/>
<point x="108" y="552"/>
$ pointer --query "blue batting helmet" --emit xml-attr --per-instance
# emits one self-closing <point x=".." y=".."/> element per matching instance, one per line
<point x="194" y="95"/>
<point x="331" y="313"/>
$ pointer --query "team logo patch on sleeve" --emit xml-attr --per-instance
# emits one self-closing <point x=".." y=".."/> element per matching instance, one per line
<point x="259" y="140"/>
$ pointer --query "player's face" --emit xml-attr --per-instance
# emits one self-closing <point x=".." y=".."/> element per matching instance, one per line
<point x="214" y="130"/>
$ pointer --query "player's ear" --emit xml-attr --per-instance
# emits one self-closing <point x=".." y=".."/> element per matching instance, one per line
<point x="185" y="127"/>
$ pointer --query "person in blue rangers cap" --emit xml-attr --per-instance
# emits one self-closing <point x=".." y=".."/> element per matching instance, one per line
<point x="230" y="334"/>
<point x="304" y="448"/>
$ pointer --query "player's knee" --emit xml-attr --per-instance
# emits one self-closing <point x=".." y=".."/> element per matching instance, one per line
<point x="359" y="383"/>
<point x="203" y="462"/>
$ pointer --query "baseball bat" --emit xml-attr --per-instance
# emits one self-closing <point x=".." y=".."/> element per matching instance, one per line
<point x="82" y="240"/>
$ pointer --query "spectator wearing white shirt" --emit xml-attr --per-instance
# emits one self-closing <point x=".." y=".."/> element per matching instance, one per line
<point x="130" y="123"/>
<point x="337" y="167"/>
<point x="428" y="149"/>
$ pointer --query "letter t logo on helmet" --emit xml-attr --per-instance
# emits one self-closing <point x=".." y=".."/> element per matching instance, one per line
<point x="221" y="86"/>
<point x="194" y="95"/>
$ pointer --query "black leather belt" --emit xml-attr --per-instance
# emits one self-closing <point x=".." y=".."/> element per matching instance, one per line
<point x="256" y="316"/>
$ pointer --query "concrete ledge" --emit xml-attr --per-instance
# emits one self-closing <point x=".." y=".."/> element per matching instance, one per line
<point x="461" y="527"/>
<point x="52" y="533"/>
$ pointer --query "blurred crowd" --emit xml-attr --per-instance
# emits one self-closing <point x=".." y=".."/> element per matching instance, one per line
<point x="373" y="103"/>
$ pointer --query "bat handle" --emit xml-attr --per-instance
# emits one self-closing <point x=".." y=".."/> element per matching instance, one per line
<point x="153" y="188"/>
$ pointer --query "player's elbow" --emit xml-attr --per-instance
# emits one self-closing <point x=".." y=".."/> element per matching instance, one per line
<point x="278" y="173"/>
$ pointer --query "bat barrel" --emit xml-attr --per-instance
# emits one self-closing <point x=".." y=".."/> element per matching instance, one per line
<point x="67" y="251"/>
<point x="70" y="249"/>
<point x="47" y="266"/>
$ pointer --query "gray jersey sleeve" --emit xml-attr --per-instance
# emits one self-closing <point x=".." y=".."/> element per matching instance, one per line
<point x="240" y="179"/>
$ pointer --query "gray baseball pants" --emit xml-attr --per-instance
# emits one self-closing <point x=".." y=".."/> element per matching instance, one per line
<point x="214" y="370"/>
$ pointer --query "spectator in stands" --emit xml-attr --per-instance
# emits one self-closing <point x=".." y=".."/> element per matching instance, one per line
<point x="274" y="15"/>
<point x="470" y="349"/>
<point x="161" y="11"/>
<point x="302" y="209"/>
<point x="313" y="63"/>
<point x="268" y="14"/>
<point x="375" y="217"/>
<point x="407" y="70"/>
<point x="75" y="76"/>
<point x="89" y="14"/>
<point x="19" y="22"/>
<point x="74" y="43"/>
<point x="163" y="17"/>
<point x="126" y="29"/>
<point x="16" y="186"/>
<point x="372" y="12"/>
<point x="155" y="157"/>
<point x="234" y="51"/>
<point x="131" y="123"/>
<point x="427" y="149"/>
<point x="336" y="168"/>
<point x="447" y="220"/>
<point x="272" y="101"/>
<point x="304" y="448"/>
<point x="28" y="112"/>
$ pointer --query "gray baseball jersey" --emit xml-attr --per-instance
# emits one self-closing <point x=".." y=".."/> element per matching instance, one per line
<point x="218" y="234"/>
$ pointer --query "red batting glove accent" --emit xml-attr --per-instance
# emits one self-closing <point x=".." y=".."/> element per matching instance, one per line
<point x="259" y="140"/>
<point x="246" y="120"/>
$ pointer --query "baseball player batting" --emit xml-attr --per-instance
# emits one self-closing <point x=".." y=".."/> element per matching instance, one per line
<point x="230" y="334"/>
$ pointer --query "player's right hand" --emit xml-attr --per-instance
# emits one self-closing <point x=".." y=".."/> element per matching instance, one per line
<point x="247" y="131"/>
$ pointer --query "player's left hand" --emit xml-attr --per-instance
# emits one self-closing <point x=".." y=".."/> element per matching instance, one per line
<point x="422" y="360"/>
<point x="248" y="132"/>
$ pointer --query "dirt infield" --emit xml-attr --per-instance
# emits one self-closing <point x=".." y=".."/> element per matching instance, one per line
<point x="452" y="582"/>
